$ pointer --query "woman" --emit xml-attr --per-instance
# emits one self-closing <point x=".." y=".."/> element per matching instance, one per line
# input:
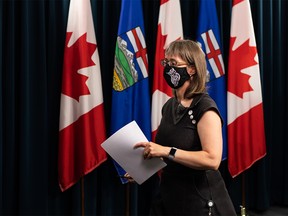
<point x="189" y="139"/>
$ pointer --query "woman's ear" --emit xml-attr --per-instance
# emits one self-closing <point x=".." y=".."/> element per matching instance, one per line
<point x="191" y="70"/>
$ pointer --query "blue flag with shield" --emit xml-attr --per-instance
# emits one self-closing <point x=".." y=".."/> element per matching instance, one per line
<point x="131" y="93"/>
<point x="209" y="36"/>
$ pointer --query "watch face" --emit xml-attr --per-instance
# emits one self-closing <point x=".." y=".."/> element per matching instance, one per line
<point x="172" y="153"/>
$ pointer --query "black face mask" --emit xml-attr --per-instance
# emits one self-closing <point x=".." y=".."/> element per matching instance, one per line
<point x="175" y="76"/>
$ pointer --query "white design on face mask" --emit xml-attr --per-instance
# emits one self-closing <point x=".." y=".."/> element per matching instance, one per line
<point x="175" y="77"/>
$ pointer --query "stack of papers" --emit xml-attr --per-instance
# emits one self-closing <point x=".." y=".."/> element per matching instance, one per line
<point x="120" y="146"/>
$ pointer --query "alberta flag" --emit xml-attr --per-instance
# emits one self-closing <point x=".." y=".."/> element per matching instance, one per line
<point x="82" y="123"/>
<point x="209" y="37"/>
<point x="130" y="94"/>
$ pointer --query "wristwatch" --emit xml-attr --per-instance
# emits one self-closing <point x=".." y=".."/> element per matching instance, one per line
<point x="172" y="152"/>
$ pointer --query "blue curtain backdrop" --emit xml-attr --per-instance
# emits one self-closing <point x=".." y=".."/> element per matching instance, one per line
<point x="32" y="35"/>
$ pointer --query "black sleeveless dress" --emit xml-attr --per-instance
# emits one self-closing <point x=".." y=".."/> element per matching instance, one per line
<point x="185" y="191"/>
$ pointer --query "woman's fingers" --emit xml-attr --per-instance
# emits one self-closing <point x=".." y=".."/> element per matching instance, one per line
<point x="141" y="144"/>
<point x="129" y="178"/>
<point x="147" y="149"/>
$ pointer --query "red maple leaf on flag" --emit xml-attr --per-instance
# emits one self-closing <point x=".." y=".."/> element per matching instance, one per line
<point x="237" y="2"/>
<point x="76" y="57"/>
<point x="158" y="70"/>
<point x="239" y="59"/>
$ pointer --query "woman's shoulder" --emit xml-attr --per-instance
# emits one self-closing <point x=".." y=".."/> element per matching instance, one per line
<point x="205" y="103"/>
<point x="204" y="100"/>
<point x="168" y="104"/>
<point x="169" y="101"/>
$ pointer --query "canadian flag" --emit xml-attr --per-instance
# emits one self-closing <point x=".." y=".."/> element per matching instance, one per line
<point x="82" y="125"/>
<point x="169" y="30"/>
<point x="246" y="135"/>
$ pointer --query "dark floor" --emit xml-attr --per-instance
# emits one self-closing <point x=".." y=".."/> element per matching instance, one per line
<point x="272" y="211"/>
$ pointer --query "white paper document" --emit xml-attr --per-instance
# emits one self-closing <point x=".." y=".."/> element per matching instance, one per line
<point x="120" y="146"/>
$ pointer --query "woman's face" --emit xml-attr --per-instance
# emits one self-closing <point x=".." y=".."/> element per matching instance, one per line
<point x="173" y="61"/>
<point x="175" y="71"/>
<point x="176" y="61"/>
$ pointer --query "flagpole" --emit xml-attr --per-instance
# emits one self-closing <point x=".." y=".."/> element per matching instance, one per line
<point x="243" y="208"/>
<point x="127" y="213"/>
<point x="82" y="197"/>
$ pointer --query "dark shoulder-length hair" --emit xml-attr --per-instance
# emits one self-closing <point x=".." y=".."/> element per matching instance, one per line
<point x="191" y="52"/>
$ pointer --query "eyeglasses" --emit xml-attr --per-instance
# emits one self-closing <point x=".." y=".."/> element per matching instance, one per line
<point x="172" y="62"/>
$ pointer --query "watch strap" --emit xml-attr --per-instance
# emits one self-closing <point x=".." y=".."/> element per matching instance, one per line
<point x="172" y="152"/>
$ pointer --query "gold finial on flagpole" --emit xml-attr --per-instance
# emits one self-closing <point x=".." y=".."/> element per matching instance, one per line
<point x="243" y="211"/>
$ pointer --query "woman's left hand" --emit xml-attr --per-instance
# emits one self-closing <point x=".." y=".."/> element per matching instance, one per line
<point x="129" y="178"/>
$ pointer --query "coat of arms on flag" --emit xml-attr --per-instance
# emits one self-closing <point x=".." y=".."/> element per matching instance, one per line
<point x="126" y="72"/>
